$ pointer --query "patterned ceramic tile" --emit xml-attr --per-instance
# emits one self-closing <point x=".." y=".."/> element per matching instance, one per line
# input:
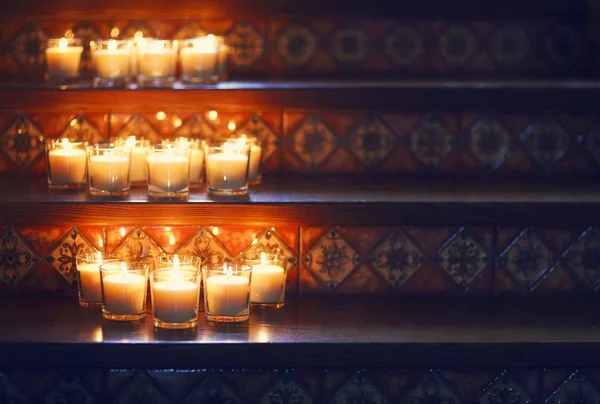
<point x="138" y="246"/>
<point x="332" y="259"/>
<point x="176" y="383"/>
<point x="17" y="258"/>
<point x="23" y="142"/>
<point x="191" y="29"/>
<point x="212" y="389"/>
<point x="432" y="389"/>
<point x="296" y="44"/>
<point x="504" y="390"/>
<point x="82" y="129"/>
<point x="270" y="242"/>
<point x="489" y="142"/>
<point x="396" y="257"/>
<point x="9" y="393"/>
<point x="29" y="46"/>
<point x="463" y="257"/>
<point x="371" y="141"/>
<point x="349" y="46"/>
<point x="546" y="140"/>
<point x="248" y="44"/>
<point x="312" y="141"/>
<point x="205" y="245"/>
<point x="86" y="32"/>
<point x="431" y="141"/>
<point x="358" y="389"/>
<point x="62" y="257"/>
<point x="527" y="258"/>
<point x="134" y="27"/>
<point x="137" y="126"/>
<point x="564" y="45"/>
<point x="457" y="45"/>
<point x="583" y="257"/>
<point x="576" y="389"/>
<point x="404" y="45"/>
<point x="509" y="45"/>
<point x="286" y="390"/>
<point x="140" y="389"/>
<point x="260" y="129"/>
<point x="196" y="126"/>
<point x="69" y="390"/>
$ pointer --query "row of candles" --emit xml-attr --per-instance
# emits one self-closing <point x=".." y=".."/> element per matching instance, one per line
<point x="230" y="288"/>
<point x="169" y="169"/>
<point x="151" y="61"/>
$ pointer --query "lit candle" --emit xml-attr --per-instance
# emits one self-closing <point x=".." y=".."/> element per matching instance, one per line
<point x="199" y="59"/>
<point x="268" y="282"/>
<point x="175" y="299"/>
<point x="227" y="294"/>
<point x="168" y="172"/>
<point x="255" y="156"/>
<point x="227" y="168"/>
<point x="63" y="57"/>
<point x="139" y="168"/>
<point x="112" y="59"/>
<point x="108" y="169"/>
<point x="157" y="60"/>
<point x="66" y="164"/>
<point x="89" y="280"/>
<point x="124" y="292"/>
<point x="196" y="160"/>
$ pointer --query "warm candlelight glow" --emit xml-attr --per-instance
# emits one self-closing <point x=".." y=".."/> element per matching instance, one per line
<point x="99" y="257"/>
<point x="138" y="35"/>
<point x="160" y="115"/>
<point x="123" y="269"/>
<point x="114" y="32"/>
<point x="130" y="143"/>
<point x="112" y="45"/>
<point x="73" y="122"/>
<point x="213" y="115"/>
<point x="177" y="122"/>
<point x="66" y="144"/>
<point x="231" y="126"/>
<point x="63" y="43"/>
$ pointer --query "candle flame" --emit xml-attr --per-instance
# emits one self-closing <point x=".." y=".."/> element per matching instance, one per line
<point x="130" y="143"/>
<point x="213" y="115"/>
<point x="99" y="257"/>
<point x="231" y="126"/>
<point x="138" y="35"/>
<point x="66" y="144"/>
<point x="112" y="45"/>
<point x="123" y="268"/>
<point x="69" y="34"/>
<point x="171" y="240"/>
<point x="160" y="115"/>
<point x="263" y="258"/>
<point x="175" y="274"/>
<point x="63" y="43"/>
<point x="114" y="32"/>
<point x="177" y="122"/>
<point x="215" y="231"/>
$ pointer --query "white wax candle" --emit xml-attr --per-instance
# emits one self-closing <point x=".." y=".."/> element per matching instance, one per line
<point x="64" y="61"/>
<point x="124" y="293"/>
<point x="139" y="168"/>
<point x="198" y="62"/>
<point x="109" y="172"/>
<point x="175" y="301"/>
<point x="158" y="63"/>
<point x="89" y="278"/>
<point x="112" y="63"/>
<point x="227" y="295"/>
<point x="226" y="170"/>
<point x="196" y="165"/>
<point x="67" y="166"/>
<point x="254" y="170"/>
<point x="168" y="172"/>
<point x="268" y="282"/>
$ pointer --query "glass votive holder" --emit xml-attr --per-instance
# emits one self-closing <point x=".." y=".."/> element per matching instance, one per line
<point x="175" y="289"/>
<point x="66" y="164"/>
<point x="197" y="147"/>
<point x="224" y="54"/>
<point x="254" y="169"/>
<point x="63" y="59"/>
<point x="168" y="172"/>
<point x="227" y="291"/>
<point x="88" y="277"/>
<point x="124" y="288"/>
<point x="157" y="60"/>
<point x="227" y="168"/>
<point x="201" y="59"/>
<point x="138" y="174"/>
<point x="108" y="170"/>
<point x="268" y="280"/>
<point x="111" y="60"/>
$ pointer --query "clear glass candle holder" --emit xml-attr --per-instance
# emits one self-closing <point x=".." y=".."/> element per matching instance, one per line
<point x="66" y="164"/>
<point x="138" y="174"/>
<point x="157" y="60"/>
<point x="111" y="60"/>
<point x="63" y="59"/>
<point x="268" y="280"/>
<point x="224" y="55"/>
<point x="175" y="289"/>
<point x="202" y="59"/>
<point x="197" y="147"/>
<point x="168" y="172"/>
<point x="88" y="277"/>
<point x="254" y="169"/>
<point x="227" y="167"/>
<point x="124" y="288"/>
<point x="227" y="291"/>
<point x="108" y="170"/>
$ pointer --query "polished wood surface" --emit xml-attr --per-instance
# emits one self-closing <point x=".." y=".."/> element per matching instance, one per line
<point x="571" y="95"/>
<point x="314" y="331"/>
<point x="324" y="200"/>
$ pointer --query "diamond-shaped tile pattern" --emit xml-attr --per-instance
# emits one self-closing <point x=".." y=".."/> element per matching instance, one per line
<point x="404" y="44"/>
<point x="22" y="142"/>
<point x="248" y="45"/>
<point x="69" y="390"/>
<point x="286" y="390"/>
<point x="191" y="29"/>
<point x="575" y="390"/>
<point x="358" y="389"/>
<point x="206" y="245"/>
<point x="527" y="258"/>
<point x="489" y="142"/>
<point x="432" y="389"/>
<point x="349" y="45"/>
<point x="296" y="44"/>
<point x="139" y="127"/>
<point x="509" y="45"/>
<point x="371" y="141"/>
<point x="138" y="246"/>
<point x="212" y="389"/>
<point x="196" y="127"/>
<point x="431" y="142"/>
<point x="583" y="257"/>
<point x="546" y="140"/>
<point x="140" y="389"/>
<point x="504" y="389"/>
<point x="271" y="243"/>
<point x="312" y="141"/>
<point x="332" y="259"/>
<point x="396" y="257"/>
<point x="260" y="129"/>
<point x="81" y="129"/>
<point x="29" y="45"/>
<point x="457" y="45"/>
<point x="17" y="258"/>
<point x="62" y="257"/>
<point x="463" y="257"/>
